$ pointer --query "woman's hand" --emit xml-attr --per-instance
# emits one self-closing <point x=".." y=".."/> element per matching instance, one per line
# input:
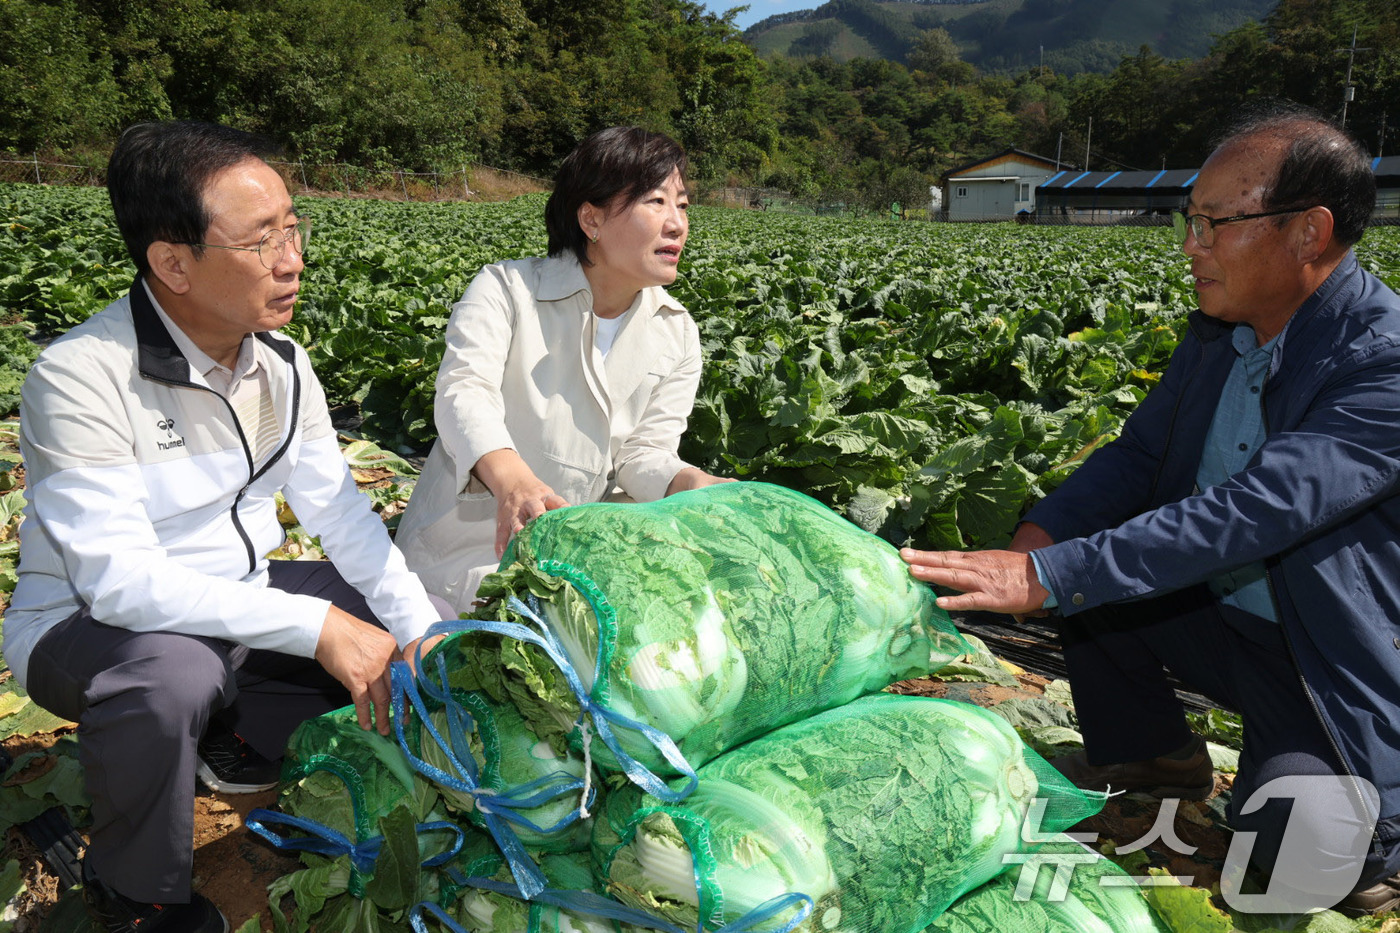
<point x="520" y="495"/>
<point x="530" y="499"/>
<point x="694" y="478"/>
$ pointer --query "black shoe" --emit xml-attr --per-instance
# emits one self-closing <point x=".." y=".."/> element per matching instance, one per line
<point x="228" y="765"/>
<point x="1381" y="897"/>
<point x="116" y="913"/>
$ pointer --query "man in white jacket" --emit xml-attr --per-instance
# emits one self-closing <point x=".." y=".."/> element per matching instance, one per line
<point x="155" y="436"/>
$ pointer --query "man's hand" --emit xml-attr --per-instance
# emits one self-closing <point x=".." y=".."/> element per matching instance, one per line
<point x="410" y="650"/>
<point x="998" y="581"/>
<point x="1029" y="537"/>
<point x="357" y="654"/>
<point x="694" y="478"/>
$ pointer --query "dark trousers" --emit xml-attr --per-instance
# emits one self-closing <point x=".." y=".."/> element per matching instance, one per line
<point x="1117" y="658"/>
<point x="142" y="701"/>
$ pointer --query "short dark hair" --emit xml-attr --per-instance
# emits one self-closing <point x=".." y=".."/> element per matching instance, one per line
<point x="1322" y="164"/>
<point x="611" y="169"/>
<point x="157" y="176"/>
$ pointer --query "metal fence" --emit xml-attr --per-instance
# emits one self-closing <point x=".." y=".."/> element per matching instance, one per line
<point x="39" y="172"/>
<point x="465" y="183"/>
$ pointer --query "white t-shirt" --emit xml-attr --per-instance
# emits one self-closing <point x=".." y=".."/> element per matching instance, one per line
<point x="605" y="332"/>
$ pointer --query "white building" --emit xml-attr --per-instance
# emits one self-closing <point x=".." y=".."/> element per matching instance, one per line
<point x="998" y="187"/>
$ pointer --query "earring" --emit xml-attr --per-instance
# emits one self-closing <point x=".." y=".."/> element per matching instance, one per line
<point x="593" y="238"/>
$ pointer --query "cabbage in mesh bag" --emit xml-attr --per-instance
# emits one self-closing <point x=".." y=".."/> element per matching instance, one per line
<point x="882" y="812"/>
<point x="714" y="615"/>
<point x="509" y="756"/>
<point x="347" y="778"/>
<point x="353" y="784"/>
<point x="1100" y="898"/>
<point x="487" y="901"/>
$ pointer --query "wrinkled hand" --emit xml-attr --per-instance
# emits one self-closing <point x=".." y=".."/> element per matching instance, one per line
<point x="410" y="650"/>
<point x="1029" y="537"/>
<point x="694" y="478"/>
<point x="520" y="503"/>
<point x="998" y="581"/>
<point x="357" y="654"/>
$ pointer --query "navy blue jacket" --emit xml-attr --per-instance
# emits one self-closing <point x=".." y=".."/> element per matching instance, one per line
<point x="1319" y="503"/>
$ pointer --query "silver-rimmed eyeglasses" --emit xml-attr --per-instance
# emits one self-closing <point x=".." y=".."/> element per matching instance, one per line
<point x="1203" y="227"/>
<point x="272" y="248"/>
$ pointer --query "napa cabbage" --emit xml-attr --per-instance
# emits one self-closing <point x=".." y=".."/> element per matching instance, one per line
<point x="714" y="615"/>
<point x="1089" y="905"/>
<point x="882" y="812"/>
<point x="509" y="756"/>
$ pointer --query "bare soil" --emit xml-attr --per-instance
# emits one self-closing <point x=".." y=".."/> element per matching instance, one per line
<point x="232" y="866"/>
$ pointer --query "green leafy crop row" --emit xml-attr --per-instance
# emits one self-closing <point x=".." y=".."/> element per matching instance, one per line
<point x="928" y="380"/>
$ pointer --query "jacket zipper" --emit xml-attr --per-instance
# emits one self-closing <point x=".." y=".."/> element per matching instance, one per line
<point x="248" y="452"/>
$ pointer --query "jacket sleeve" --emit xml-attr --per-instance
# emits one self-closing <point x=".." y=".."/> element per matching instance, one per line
<point x="89" y="496"/>
<point x="1342" y="457"/>
<point x="468" y="408"/>
<point x="1115" y="482"/>
<point x="323" y="494"/>
<point x="648" y="459"/>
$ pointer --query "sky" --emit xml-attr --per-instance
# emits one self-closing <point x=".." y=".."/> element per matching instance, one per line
<point x="758" y="9"/>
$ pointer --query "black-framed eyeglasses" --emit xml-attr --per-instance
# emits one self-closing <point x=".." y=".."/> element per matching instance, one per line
<point x="1203" y="227"/>
<point x="272" y="248"/>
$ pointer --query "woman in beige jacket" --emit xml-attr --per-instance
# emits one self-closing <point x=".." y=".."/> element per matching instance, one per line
<point x="566" y="379"/>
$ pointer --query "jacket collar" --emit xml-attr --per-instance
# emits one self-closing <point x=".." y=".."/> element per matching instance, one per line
<point x="1208" y="328"/>
<point x="1320" y="307"/>
<point x="157" y="354"/>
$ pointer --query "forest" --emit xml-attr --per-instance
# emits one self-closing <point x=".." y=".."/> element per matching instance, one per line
<point x="434" y="84"/>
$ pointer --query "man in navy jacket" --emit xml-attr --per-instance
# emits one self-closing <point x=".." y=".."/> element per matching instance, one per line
<point x="1243" y="532"/>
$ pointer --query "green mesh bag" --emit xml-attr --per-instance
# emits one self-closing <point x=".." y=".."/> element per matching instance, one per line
<point x="487" y="900"/>
<point x="713" y="616"/>
<point x="882" y="812"/>
<point x="509" y="755"/>
<point x="353" y="782"/>
<point x="485" y="911"/>
<point x="1099" y="898"/>
<point x="348" y="778"/>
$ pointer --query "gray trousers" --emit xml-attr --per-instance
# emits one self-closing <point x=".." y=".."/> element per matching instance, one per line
<point x="142" y="701"/>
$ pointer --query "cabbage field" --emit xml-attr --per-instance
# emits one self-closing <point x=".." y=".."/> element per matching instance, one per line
<point x="928" y="380"/>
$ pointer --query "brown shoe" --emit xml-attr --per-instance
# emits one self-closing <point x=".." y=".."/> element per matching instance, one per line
<point x="1377" y="899"/>
<point x="1189" y="778"/>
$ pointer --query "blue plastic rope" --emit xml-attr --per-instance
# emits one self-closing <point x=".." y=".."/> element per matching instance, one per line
<point x="603" y="718"/>
<point x="595" y="905"/>
<point x="492" y="806"/>
<point x="582" y="902"/>
<point x="323" y="840"/>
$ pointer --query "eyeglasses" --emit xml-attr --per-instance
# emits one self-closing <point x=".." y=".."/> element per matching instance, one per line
<point x="272" y="248"/>
<point x="1203" y="227"/>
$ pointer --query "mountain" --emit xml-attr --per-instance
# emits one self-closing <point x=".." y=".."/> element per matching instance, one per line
<point x="1007" y="35"/>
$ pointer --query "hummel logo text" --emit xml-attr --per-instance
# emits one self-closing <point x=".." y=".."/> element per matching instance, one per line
<point x="168" y="426"/>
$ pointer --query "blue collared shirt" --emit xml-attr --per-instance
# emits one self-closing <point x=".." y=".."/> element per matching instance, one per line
<point x="1236" y="431"/>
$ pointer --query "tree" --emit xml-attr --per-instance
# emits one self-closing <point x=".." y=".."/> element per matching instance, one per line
<point x="55" y="78"/>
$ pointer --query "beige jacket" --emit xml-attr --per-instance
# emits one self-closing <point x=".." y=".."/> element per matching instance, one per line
<point x="521" y="371"/>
